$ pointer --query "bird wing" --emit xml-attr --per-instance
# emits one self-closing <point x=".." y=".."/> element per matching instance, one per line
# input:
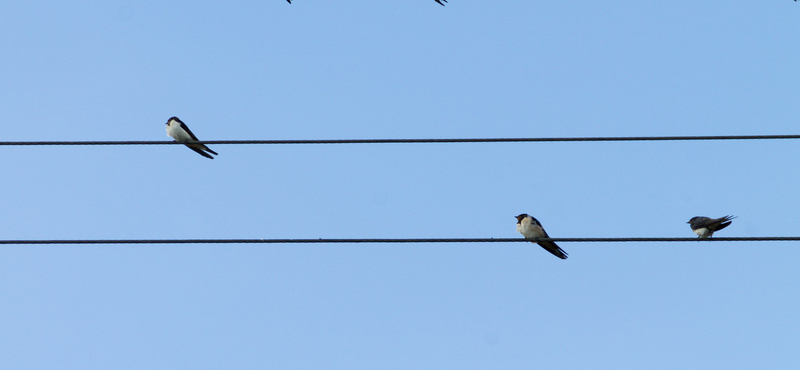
<point x="722" y="222"/>
<point x="186" y="128"/>
<point x="551" y="247"/>
<point x="701" y="222"/>
<point x="199" y="149"/>
<point x="554" y="249"/>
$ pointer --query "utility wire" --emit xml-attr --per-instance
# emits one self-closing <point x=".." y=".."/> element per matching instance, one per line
<point x="417" y="141"/>
<point x="407" y="241"/>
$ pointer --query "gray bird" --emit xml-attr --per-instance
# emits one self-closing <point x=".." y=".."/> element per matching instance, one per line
<point x="705" y="227"/>
<point x="181" y="133"/>
<point x="530" y="228"/>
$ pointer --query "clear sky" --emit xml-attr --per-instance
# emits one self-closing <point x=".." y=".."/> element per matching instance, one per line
<point x="413" y="69"/>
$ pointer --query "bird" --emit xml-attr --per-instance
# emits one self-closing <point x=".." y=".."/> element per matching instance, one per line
<point x="530" y="228"/>
<point x="438" y="1"/>
<point x="181" y="133"/>
<point x="705" y="227"/>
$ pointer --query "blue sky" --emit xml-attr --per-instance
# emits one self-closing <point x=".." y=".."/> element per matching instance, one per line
<point x="322" y="70"/>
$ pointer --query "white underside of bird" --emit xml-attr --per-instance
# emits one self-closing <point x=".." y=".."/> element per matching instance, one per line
<point x="174" y="131"/>
<point x="529" y="230"/>
<point x="703" y="232"/>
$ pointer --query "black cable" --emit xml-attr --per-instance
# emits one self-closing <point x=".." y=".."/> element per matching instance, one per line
<point x="379" y="240"/>
<point x="417" y="141"/>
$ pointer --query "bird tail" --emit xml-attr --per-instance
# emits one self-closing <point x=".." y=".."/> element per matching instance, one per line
<point x="725" y="221"/>
<point x="200" y="150"/>
<point x="554" y="249"/>
<point x="209" y="150"/>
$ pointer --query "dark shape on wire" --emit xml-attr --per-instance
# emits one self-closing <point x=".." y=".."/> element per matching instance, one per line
<point x="530" y="228"/>
<point x="705" y="227"/>
<point x="181" y="133"/>
<point x="438" y="1"/>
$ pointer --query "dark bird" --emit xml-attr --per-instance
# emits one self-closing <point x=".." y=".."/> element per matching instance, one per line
<point x="530" y="228"/>
<point x="438" y="1"/>
<point x="181" y="133"/>
<point x="705" y="227"/>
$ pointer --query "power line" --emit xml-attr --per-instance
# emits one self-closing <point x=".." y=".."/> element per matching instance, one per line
<point x="416" y="141"/>
<point x="395" y="241"/>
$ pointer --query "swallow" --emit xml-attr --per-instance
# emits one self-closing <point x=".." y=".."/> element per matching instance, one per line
<point x="181" y="133"/>
<point x="530" y="228"/>
<point x="704" y="227"/>
<point x="438" y="1"/>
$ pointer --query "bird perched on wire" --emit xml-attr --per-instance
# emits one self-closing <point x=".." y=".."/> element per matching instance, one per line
<point x="181" y="133"/>
<point x="438" y="1"/>
<point x="705" y="227"/>
<point x="530" y="228"/>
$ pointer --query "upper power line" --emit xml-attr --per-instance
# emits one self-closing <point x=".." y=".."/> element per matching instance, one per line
<point x="396" y="241"/>
<point x="420" y="141"/>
